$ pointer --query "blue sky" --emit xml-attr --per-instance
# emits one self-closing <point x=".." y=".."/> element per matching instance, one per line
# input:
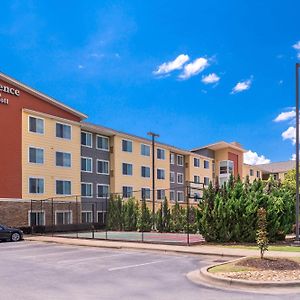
<point x="137" y="66"/>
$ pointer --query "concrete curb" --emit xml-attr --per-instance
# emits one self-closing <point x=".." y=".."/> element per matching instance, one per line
<point x="127" y="245"/>
<point x="203" y="277"/>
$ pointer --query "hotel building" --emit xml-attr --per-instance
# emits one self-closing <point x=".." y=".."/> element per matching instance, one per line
<point x="48" y="151"/>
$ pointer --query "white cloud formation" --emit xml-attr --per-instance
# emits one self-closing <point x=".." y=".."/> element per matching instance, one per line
<point x="293" y="156"/>
<point x="242" y="86"/>
<point x="170" y="66"/>
<point x="290" y="134"/>
<point x="194" y="68"/>
<point x="297" y="46"/>
<point x="284" y="116"/>
<point x="252" y="158"/>
<point x="210" y="78"/>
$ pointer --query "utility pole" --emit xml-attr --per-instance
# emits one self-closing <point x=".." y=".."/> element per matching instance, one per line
<point x="297" y="153"/>
<point x="153" y="136"/>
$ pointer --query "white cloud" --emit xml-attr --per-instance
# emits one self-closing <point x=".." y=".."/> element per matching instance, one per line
<point x="170" y="66"/>
<point x="210" y="78"/>
<point x="293" y="156"/>
<point x="194" y="68"/>
<point x="252" y="158"/>
<point x="284" y="116"/>
<point x="242" y="86"/>
<point x="297" y="46"/>
<point x="290" y="134"/>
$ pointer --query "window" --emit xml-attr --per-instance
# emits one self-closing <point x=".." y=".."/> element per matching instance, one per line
<point x="63" y="131"/>
<point x="36" y="185"/>
<point x="172" y="177"/>
<point x="36" y="155"/>
<point x="145" y="193"/>
<point x="180" y="196"/>
<point x="63" y="159"/>
<point x="206" y="164"/>
<point x="196" y="162"/>
<point x="180" y="178"/>
<point x="102" y="167"/>
<point x="160" y="153"/>
<point x="145" y="171"/>
<point x="86" y="139"/>
<point x="145" y="150"/>
<point x="206" y="180"/>
<point x="102" y="190"/>
<point x="172" y="158"/>
<point x="172" y="196"/>
<point x="36" y="125"/>
<point x="63" y="217"/>
<point x="101" y="217"/>
<point x="86" y="190"/>
<point x="179" y="160"/>
<point x="160" y="174"/>
<point x="226" y="167"/>
<point x="36" y="218"/>
<point x="127" y="191"/>
<point x="126" y="146"/>
<point x="102" y="142"/>
<point x="86" y="164"/>
<point x="63" y="187"/>
<point x="86" y="216"/>
<point x="251" y="172"/>
<point x="127" y="169"/>
<point x="160" y="194"/>
<point x="196" y="179"/>
<point x="257" y="174"/>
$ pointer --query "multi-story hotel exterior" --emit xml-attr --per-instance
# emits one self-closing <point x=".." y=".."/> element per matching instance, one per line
<point x="50" y="152"/>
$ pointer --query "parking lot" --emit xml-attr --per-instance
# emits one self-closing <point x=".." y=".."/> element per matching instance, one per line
<point x="33" y="270"/>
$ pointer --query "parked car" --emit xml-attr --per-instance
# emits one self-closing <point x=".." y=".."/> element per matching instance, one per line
<point x="10" y="234"/>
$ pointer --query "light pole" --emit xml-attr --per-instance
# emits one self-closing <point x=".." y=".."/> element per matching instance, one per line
<point x="153" y="136"/>
<point x="297" y="153"/>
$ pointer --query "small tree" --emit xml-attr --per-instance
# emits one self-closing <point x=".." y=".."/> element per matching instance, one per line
<point x="261" y="234"/>
<point x="145" y="218"/>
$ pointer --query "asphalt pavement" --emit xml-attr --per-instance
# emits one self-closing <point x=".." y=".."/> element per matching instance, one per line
<point x="36" y="270"/>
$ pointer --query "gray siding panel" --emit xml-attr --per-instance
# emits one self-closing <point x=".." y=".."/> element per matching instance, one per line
<point x="177" y="169"/>
<point x="93" y="177"/>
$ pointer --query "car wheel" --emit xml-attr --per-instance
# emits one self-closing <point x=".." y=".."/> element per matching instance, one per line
<point x="15" y="237"/>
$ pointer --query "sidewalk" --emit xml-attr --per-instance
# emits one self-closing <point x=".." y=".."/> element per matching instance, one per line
<point x="195" y="249"/>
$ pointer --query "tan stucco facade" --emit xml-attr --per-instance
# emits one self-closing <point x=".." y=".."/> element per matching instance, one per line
<point x="192" y="171"/>
<point x="50" y="144"/>
<point x="136" y="181"/>
<point x="251" y="172"/>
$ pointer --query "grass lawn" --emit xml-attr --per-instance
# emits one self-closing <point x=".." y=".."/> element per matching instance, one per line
<point x="271" y="248"/>
<point x="230" y="267"/>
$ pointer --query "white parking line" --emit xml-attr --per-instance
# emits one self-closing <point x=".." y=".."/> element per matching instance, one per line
<point x="135" y="266"/>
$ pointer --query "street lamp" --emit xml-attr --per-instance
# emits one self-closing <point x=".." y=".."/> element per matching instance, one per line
<point x="297" y="153"/>
<point x="153" y="136"/>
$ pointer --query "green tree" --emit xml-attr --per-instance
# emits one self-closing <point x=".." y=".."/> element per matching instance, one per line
<point x="262" y="235"/>
<point x="145" y="218"/>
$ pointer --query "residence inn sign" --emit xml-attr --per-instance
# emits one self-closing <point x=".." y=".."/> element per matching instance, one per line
<point x="9" y="91"/>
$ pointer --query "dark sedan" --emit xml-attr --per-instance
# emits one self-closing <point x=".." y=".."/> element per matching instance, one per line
<point x="10" y="234"/>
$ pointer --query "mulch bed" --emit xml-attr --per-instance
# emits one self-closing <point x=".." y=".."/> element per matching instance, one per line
<point x="279" y="264"/>
<point x="267" y="269"/>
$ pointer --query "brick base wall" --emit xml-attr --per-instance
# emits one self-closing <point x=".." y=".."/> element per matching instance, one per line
<point x="15" y="213"/>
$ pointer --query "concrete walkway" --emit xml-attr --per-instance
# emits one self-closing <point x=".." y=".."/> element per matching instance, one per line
<point x="195" y="249"/>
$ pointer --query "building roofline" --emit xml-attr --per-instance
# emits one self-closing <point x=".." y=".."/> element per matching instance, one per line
<point x="111" y="132"/>
<point x="41" y="95"/>
<point x="213" y="145"/>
